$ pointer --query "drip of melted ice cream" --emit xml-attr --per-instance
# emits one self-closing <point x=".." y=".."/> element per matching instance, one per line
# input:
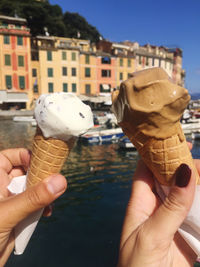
<point x="62" y="115"/>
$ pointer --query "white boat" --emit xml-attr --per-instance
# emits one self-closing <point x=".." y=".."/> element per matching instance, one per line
<point x="125" y="143"/>
<point x="23" y="118"/>
<point x="101" y="135"/>
<point x="193" y="125"/>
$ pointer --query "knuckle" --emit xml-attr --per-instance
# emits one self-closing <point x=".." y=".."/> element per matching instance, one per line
<point x="173" y="204"/>
<point x="34" y="198"/>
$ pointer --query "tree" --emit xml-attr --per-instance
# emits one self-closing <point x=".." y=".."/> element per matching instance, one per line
<point x="76" y="24"/>
<point x="41" y="15"/>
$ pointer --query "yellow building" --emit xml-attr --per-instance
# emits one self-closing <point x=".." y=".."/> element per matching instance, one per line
<point x="55" y="65"/>
<point x="125" y="62"/>
<point x="88" y="73"/>
<point x="14" y="63"/>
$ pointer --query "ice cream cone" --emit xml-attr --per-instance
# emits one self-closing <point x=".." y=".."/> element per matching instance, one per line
<point x="163" y="156"/>
<point x="48" y="157"/>
<point x="149" y="107"/>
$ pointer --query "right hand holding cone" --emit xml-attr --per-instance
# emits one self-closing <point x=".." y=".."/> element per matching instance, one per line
<point x="149" y="236"/>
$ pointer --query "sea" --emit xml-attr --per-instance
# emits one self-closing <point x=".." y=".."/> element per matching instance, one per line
<point x="85" y="227"/>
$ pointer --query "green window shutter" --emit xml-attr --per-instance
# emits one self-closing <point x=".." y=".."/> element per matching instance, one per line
<point x="73" y="71"/>
<point x="64" y="55"/>
<point x="88" y="89"/>
<point x="49" y="55"/>
<point x="20" y="61"/>
<point x="8" y="81"/>
<point x="121" y="76"/>
<point x="129" y="63"/>
<point x="73" y="87"/>
<point x="19" y="40"/>
<point x="65" y="87"/>
<point x="73" y="56"/>
<point x="50" y="87"/>
<point x="50" y="72"/>
<point x="34" y="72"/>
<point x="21" y="82"/>
<point x="121" y="62"/>
<point x="87" y="72"/>
<point x="87" y="59"/>
<point x="64" y="71"/>
<point x="7" y="60"/>
<point x="6" y="39"/>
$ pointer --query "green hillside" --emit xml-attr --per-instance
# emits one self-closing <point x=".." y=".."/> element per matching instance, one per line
<point x="42" y="16"/>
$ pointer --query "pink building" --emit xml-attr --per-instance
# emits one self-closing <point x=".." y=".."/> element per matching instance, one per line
<point x="106" y="73"/>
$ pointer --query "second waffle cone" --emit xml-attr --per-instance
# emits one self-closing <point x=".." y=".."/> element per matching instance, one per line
<point x="164" y="156"/>
<point x="48" y="157"/>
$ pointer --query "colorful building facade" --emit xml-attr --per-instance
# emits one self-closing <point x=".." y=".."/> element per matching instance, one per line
<point x="14" y="63"/>
<point x="30" y="66"/>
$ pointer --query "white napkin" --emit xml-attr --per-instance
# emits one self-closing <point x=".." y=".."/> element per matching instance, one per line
<point x="25" y="229"/>
<point x="190" y="228"/>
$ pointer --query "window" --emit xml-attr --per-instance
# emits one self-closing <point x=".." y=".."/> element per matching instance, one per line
<point x="121" y="76"/>
<point x="105" y="60"/>
<point x="129" y="75"/>
<point x="153" y="61"/>
<point x="64" y="55"/>
<point x="50" y="87"/>
<point x="105" y="73"/>
<point x="20" y="61"/>
<point x="121" y="62"/>
<point x="6" y="39"/>
<point x="129" y="63"/>
<point x="34" y="72"/>
<point x="35" y="88"/>
<point x="73" y="56"/>
<point x="19" y="40"/>
<point x="17" y="26"/>
<point x="73" y="71"/>
<point x="7" y="60"/>
<point x="88" y="89"/>
<point x="49" y="55"/>
<point x="35" y="56"/>
<point x="64" y="71"/>
<point x="73" y="87"/>
<point x="8" y="81"/>
<point x="50" y="72"/>
<point x="105" y="88"/>
<point x="87" y="59"/>
<point x="65" y="87"/>
<point x="21" y="82"/>
<point x="87" y="72"/>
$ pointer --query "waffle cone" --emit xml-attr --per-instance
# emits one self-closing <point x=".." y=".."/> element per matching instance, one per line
<point x="164" y="156"/>
<point x="48" y="157"/>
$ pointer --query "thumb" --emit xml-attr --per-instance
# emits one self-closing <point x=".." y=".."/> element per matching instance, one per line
<point x="16" y="208"/>
<point x="170" y="215"/>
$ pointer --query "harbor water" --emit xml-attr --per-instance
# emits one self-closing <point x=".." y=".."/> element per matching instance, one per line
<point x="84" y="229"/>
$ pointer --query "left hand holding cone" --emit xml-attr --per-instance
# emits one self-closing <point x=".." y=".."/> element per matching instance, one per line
<point x="13" y="209"/>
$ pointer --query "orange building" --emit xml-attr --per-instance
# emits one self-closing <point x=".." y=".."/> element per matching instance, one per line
<point x="106" y="75"/>
<point x="14" y="63"/>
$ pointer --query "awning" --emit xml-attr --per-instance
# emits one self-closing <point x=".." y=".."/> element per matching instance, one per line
<point x="13" y="97"/>
<point x="106" y="86"/>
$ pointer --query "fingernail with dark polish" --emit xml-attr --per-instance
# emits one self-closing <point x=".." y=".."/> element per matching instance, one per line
<point x="183" y="175"/>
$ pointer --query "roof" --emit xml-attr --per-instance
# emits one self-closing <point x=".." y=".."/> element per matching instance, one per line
<point x="13" y="19"/>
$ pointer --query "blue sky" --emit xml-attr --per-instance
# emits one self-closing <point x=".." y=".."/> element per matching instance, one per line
<point x="169" y="23"/>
